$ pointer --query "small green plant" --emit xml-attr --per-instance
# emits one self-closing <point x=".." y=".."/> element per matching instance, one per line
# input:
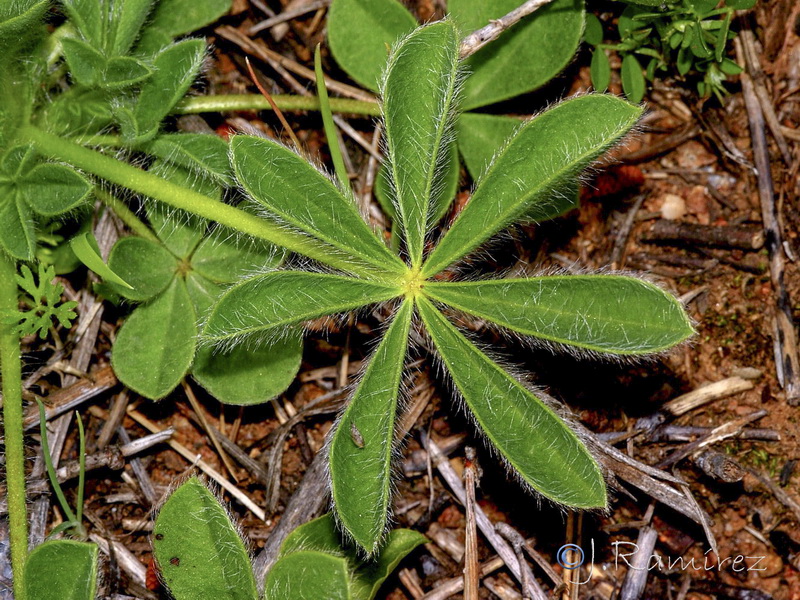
<point x="59" y="569"/>
<point x="528" y="181"/>
<point x="43" y="301"/>
<point x="201" y="555"/>
<point x="530" y="54"/>
<point x="688" y="35"/>
<point x="177" y="276"/>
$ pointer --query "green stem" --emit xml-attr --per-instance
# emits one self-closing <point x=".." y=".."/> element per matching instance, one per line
<point x="186" y="199"/>
<point x="233" y="102"/>
<point x="126" y="215"/>
<point x="12" y="424"/>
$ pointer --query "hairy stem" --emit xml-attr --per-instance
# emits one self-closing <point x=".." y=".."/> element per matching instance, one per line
<point x="233" y="102"/>
<point x="12" y="424"/>
<point x="193" y="202"/>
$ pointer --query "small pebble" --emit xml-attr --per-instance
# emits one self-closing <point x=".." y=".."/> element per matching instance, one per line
<point x="673" y="207"/>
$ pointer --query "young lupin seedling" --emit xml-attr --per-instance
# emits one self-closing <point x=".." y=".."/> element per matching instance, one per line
<point x="529" y="180"/>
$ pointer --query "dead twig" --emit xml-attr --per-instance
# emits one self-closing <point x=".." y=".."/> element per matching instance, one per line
<point x="502" y="547"/>
<point x="479" y="38"/>
<point x="787" y="360"/>
<point x="471" y="574"/>
<point x="745" y="237"/>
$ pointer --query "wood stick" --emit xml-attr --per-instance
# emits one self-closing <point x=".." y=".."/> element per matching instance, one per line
<point x="66" y="399"/>
<point x="210" y="431"/>
<point x="787" y="360"/>
<point x="502" y="547"/>
<point x="471" y="571"/>
<point x="479" y="38"/>
<point x="746" y="237"/>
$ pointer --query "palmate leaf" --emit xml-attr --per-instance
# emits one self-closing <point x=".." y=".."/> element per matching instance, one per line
<point x="266" y="304"/>
<point x="198" y="551"/>
<point x="297" y="193"/>
<point x="419" y="97"/>
<point x="547" y="153"/>
<point x="602" y="313"/>
<point x="361" y="447"/>
<point x="535" y="441"/>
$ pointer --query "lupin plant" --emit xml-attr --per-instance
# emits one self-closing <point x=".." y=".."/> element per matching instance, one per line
<point x="530" y="179"/>
<point x="127" y="74"/>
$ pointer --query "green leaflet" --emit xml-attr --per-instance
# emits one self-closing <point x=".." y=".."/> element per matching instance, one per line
<point x="62" y="570"/>
<point x="526" y="57"/>
<point x="86" y="63"/>
<point x="17" y="236"/>
<point x="308" y="575"/>
<point x="419" y="96"/>
<point x="361" y="447"/>
<point x="197" y="152"/>
<point x="52" y="190"/>
<point x="124" y="23"/>
<point x="148" y="267"/>
<point x="602" y="313"/>
<point x="86" y="17"/>
<point x="379" y="23"/>
<point x="545" y="155"/>
<point x="226" y="259"/>
<point x="244" y="375"/>
<point x="291" y="189"/>
<point x="481" y="136"/>
<point x="176" y="67"/>
<point x="173" y="18"/>
<point x="85" y="248"/>
<point x="155" y="346"/>
<point x="443" y="192"/>
<point x="320" y="537"/>
<point x="633" y="82"/>
<point x="47" y="189"/>
<point x="124" y="71"/>
<point x="18" y="19"/>
<point x="593" y="33"/>
<point x="198" y="551"/>
<point x="530" y="436"/>
<point x="600" y="70"/>
<point x="274" y="300"/>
